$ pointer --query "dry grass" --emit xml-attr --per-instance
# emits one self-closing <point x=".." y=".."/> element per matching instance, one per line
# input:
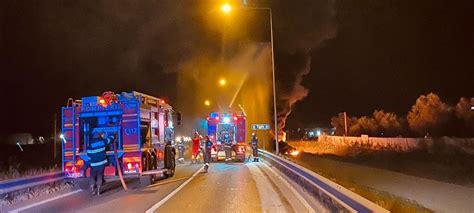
<point x="442" y="161"/>
<point x="382" y="198"/>
<point x="13" y="173"/>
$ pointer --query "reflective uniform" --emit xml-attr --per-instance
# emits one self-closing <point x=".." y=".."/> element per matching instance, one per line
<point x="254" y="144"/>
<point x="227" y="147"/>
<point x="181" y="149"/>
<point x="97" y="160"/>
<point x="207" y="152"/>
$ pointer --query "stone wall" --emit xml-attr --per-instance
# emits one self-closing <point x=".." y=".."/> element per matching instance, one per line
<point x="334" y="144"/>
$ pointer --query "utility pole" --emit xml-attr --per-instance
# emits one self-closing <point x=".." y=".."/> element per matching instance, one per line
<point x="345" y="124"/>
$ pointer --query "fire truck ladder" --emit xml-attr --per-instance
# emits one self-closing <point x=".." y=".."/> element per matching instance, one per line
<point x="68" y="124"/>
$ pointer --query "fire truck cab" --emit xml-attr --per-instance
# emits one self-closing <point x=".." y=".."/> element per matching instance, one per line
<point x="143" y="126"/>
<point x="227" y="128"/>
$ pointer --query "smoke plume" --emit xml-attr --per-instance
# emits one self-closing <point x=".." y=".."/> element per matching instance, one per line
<point x="297" y="93"/>
<point x="302" y="34"/>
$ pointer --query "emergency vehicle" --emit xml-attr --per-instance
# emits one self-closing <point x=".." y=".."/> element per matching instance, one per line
<point x="143" y="125"/>
<point x="230" y="128"/>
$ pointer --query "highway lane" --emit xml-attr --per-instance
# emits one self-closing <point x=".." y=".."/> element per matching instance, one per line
<point x="135" y="200"/>
<point x="249" y="187"/>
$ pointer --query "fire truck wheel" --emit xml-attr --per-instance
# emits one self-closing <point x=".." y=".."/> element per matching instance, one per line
<point x="153" y="165"/>
<point x="171" y="170"/>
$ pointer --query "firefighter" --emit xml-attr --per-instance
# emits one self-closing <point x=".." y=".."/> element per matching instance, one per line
<point x="181" y="149"/>
<point x="207" y="153"/>
<point x="196" y="146"/>
<point x="98" y="159"/>
<point x="227" y="147"/>
<point x="254" y="145"/>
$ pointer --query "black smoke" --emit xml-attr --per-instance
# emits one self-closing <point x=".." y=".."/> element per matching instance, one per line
<point x="300" y="28"/>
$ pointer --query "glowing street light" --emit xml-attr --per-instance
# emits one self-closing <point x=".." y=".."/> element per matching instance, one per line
<point x="19" y="145"/>
<point x="222" y="82"/>
<point x="62" y="137"/>
<point x="207" y="103"/>
<point x="226" y="8"/>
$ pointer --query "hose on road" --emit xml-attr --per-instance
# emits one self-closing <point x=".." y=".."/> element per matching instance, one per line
<point x="118" y="167"/>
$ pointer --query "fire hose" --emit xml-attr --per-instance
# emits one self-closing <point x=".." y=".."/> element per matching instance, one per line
<point x="117" y="164"/>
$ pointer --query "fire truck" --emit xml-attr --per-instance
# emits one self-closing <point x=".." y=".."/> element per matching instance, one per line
<point x="227" y="128"/>
<point x="143" y="126"/>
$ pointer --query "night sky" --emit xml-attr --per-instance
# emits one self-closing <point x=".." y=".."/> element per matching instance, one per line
<point x="364" y="54"/>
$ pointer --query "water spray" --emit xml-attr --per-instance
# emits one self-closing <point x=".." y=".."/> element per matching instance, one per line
<point x="238" y="90"/>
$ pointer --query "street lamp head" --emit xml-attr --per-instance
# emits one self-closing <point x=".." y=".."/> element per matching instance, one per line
<point x="222" y="82"/>
<point x="207" y="103"/>
<point x="226" y="8"/>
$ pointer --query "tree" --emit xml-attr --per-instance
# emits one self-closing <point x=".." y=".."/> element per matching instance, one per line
<point x="388" y="123"/>
<point x="338" y="123"/>
<point x="364" y="125"/>
<point x="428" y="115"/>
<point x="464" y="113"/>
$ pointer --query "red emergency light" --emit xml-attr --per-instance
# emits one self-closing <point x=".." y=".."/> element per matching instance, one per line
<point x="235" y="118"/>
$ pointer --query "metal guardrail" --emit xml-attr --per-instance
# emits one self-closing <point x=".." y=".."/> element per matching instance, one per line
<point x="17" y="184"/>
<point x="333" y="196"/>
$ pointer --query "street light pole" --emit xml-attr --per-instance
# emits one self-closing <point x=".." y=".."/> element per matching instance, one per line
<point x="275" y="118"/>
<point x="345" y="123"/>
<point x="274" y="89"/>
<point x="226" y="9"/>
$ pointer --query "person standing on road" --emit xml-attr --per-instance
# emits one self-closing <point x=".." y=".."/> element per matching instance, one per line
<point x="196" y="146"/>
<point x="181" y="149"/>
<point x="98" y="159"/>
<point x="207" y="153"/>
<point x="227" y="146"/>
<point x="254" y="145"/>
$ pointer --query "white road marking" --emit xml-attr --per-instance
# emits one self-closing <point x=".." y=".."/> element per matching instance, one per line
<point x="44" y="201"/>
<point x="292" y="189"/>
<point x="170" y="195"/>
<point x="269" y="197"/>
<point x="166" y="182"/>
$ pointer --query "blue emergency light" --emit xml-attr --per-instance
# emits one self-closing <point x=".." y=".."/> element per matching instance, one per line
<point x="226" y="120"/>
<point x="214" y="115"/>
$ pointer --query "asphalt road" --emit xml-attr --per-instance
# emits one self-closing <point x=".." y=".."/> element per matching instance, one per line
<point x="241" y="187"/>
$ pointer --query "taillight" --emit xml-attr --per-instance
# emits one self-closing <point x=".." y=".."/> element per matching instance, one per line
<point x="71" y="171"/>
<point x="241" y="149"/>
<point x="132" y="168"/>
<point x="160" y="155"/>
